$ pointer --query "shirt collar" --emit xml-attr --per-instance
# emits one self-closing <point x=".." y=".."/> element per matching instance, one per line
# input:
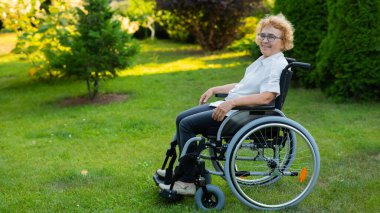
<point x="268" y="60"/>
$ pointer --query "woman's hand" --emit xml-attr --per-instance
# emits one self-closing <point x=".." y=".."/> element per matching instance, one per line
<point x="221" y="111"/>
<point x="204" y="98"/>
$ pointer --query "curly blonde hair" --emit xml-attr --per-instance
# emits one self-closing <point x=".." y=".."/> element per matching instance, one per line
<point x="281" y="23"/>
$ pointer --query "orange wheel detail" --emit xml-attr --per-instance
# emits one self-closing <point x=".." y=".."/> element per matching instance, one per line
<point x="303" y="174"/>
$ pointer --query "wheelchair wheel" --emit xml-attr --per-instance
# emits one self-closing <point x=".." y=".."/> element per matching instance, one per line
<point x="272" y="163"/>
<point x="246" y="153"/>
<point x="214" y="199"/>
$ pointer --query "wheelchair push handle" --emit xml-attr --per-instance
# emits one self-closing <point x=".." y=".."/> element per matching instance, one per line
<point x="300" y="65"/>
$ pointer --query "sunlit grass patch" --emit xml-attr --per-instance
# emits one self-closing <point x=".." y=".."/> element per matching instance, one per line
<point x="7" y="42"/>
<point x="166" y="46"/>
<point x="190" y="63"/>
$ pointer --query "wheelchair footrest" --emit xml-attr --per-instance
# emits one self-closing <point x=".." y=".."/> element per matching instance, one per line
<point x="170" y="195"/>
<point x="157" y="179"/>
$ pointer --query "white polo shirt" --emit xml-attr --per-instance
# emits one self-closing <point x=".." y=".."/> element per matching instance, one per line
<point x="263" y="75"/>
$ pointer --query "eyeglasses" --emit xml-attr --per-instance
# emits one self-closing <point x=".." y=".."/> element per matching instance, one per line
<point x="270" y="37"/>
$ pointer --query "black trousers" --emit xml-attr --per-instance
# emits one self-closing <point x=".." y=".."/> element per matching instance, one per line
<point x="190" y="123"/>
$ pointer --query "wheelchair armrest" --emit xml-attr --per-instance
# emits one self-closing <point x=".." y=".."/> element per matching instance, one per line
<point x="256" y="108"/>
<point x="221" y="95"/>
<point x="249" y="108"/>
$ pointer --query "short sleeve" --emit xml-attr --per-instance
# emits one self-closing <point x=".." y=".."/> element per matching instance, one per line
<point x="272" y="83"/>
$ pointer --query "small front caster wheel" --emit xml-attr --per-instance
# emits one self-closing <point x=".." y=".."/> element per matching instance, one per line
<point x="212" y="199"/>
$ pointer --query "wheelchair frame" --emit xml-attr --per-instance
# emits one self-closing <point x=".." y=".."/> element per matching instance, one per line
<point x="249" y="135"/>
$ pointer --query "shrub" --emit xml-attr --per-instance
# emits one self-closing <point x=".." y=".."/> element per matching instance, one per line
<point x="246" y="35"/>
<point x="309" y="19"/>
<point x="349" y="57"/>
<point x="98" y="49"/>
<point x="247" y="42"/>
<point x="174" y="26"/>
<point x="37" y="31"/>
<point x="213" y="23"/>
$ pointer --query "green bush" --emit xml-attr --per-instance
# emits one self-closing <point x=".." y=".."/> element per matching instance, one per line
<point x="246" y="35"/>
<point x="309" y="19"/>
<point x="213" y="23"/>
<point x="349" y="57"/>
<point x="37" y="31"/>
<point x="174" y="26"/>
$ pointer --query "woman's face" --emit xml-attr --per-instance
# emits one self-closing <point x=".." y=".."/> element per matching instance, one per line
<point x="270" y="41"/>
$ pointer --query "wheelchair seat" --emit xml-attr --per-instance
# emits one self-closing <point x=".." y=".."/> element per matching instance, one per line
<point x="234" y="124"/>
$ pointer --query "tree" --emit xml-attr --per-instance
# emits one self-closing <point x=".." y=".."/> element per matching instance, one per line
<point x="349" y="56"/>
<point x="213" y="23"/>
<point x="310" y="25"/>
<point x="140" y="11"/>
<point x="99" y="48"/>
<point x="143" y="11"/>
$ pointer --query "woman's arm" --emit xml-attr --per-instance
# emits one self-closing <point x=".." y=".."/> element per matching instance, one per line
<point x="215" y="90"/>
<point x="223" y="89"/>
<point x="251" y="100"/>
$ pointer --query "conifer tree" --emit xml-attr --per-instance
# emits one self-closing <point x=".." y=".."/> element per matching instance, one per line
<point x="349" y="56"/>
<point x="309" y="18"/>
<point x="98" y="49"/>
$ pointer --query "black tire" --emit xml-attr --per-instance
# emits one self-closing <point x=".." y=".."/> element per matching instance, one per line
<point x="216" y="201"/>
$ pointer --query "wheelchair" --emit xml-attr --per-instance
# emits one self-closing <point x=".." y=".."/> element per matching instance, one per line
<point x="269" y="161"/>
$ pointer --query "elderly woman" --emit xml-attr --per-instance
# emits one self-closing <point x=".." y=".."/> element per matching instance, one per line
<point x="260" y="85"/>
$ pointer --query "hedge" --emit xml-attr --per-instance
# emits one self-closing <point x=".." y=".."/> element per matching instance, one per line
<point x="309" y="18"/>
<point x="349" y="57"/>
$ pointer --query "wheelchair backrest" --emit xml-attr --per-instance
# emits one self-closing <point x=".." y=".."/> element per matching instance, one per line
<point x="285" y="79"/>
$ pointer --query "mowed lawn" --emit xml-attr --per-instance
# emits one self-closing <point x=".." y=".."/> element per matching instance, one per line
<point x="101" y="158"/>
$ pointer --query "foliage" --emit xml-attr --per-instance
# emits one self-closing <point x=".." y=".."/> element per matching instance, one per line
<point x="174" y="26"/>
<point x="141" y="11"/>
<point x="247" y="32"/>
<point x="126" y="24"/>
<point x="246" y="35"/>
<point x="20" y="15"/>
<point x="213" y="23"/>
<point x="98" y="49"/>
<point x="39" y="31"/>
<point x="349" y="57"/>
<point x="310" y="25"/>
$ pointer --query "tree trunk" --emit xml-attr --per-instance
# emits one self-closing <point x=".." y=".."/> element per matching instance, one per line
<point x="93" y="87"/>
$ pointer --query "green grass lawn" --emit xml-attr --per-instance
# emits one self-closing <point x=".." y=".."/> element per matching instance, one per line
<point x="44" y="146"/>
